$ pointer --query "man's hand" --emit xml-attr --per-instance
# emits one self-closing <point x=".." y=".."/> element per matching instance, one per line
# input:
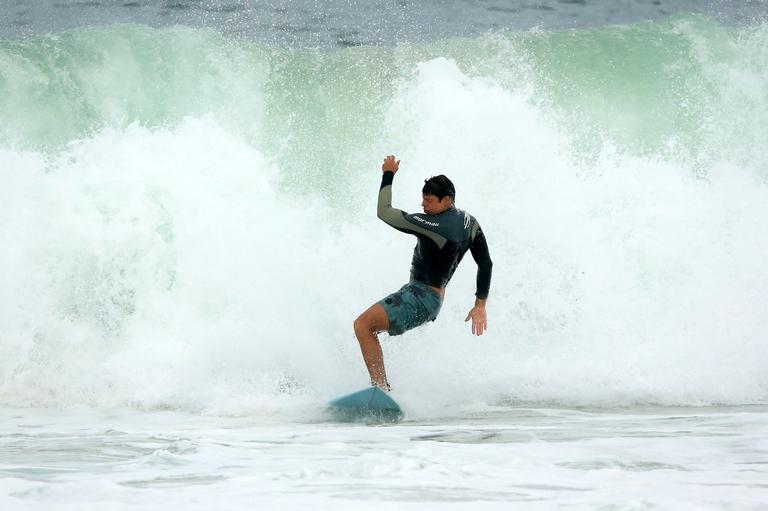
<point x="478" y="317"/>
<point x="390" y="164"/>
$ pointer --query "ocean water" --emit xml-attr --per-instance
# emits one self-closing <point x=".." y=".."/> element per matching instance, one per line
<point x="494" y="458"/>
<point x="187" y="216"/>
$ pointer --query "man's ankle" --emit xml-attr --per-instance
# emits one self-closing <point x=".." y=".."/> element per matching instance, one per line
<point x="384" y="386"/>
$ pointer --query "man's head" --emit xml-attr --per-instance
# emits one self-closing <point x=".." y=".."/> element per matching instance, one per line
<point x="437" y="195"/>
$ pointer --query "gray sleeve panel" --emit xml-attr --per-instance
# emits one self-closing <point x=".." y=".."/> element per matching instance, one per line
<point x="397" y="218"/>
<point x="475" y="226"/>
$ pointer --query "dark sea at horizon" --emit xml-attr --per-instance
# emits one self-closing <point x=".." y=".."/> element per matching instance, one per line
<point x="343" y="23"/>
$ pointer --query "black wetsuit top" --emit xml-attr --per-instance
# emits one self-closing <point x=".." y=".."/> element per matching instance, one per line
<point x="442" y="241"/>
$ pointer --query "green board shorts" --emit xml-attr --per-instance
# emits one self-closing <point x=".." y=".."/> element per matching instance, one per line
<point x="412" y="305"/>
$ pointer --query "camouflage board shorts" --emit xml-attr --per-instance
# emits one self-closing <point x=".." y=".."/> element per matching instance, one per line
<point x="413" y="305"/>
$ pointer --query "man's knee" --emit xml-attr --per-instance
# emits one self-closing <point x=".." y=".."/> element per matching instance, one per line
<point x="371" y="321"/>
<point x="361" y="325"/>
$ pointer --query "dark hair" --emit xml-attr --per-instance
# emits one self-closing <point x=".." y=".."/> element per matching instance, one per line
<point x="439" y="186"/>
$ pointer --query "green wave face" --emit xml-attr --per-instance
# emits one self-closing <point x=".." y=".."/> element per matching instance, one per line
<point x="63" y="87"/>
<point x="689" y="85"/>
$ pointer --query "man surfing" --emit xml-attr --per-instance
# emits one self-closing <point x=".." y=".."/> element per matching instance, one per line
<point x="443" y="234"/>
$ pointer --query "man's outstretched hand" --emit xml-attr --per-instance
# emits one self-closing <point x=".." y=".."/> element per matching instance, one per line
<point x="478" y="317"/>
<point x="390" y="164"/>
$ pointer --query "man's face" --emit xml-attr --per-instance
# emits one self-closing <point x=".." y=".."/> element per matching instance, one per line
<point x="434" y="206"/>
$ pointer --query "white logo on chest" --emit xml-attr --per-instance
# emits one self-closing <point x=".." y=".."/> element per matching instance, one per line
<point x="433" y="224"/>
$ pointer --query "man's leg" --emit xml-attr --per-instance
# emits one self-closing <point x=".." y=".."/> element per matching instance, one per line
<point x="367" y="325"/>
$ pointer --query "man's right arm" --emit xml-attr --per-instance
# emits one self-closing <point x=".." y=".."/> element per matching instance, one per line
<point x="384" y="209"/>
<point x="398" y="218"/>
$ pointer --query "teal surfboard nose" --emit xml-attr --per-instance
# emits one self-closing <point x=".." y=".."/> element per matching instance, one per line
<point x="366" y="404"/>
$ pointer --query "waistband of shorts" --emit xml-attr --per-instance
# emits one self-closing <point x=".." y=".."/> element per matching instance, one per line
<point x="426" y="287"/>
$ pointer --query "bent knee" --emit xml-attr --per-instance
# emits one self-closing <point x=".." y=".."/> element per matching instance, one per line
<point x="365" y="324"/>
<point x="373" y="320"/>
<point x="362" y="325"/>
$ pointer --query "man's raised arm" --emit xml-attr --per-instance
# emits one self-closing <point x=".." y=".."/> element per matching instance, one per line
<point x="398" y="218"/>
<point x="384" y="209"/>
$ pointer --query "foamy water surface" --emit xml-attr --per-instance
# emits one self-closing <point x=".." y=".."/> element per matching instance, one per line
<point x="532" y="458"/>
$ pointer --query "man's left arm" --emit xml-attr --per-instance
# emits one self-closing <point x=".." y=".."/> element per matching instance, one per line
<point x="479" y="250"/>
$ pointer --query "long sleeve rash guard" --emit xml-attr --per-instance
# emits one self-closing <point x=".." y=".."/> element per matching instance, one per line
<point x="442" y="241"/>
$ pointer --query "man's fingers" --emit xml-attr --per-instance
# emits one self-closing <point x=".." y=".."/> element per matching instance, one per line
<point x="479" y="326"/>
<point x="390" y="164"/>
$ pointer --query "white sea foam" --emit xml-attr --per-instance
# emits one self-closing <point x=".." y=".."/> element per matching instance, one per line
<point x="206" y="264"/>
<point x="168" y="267"/>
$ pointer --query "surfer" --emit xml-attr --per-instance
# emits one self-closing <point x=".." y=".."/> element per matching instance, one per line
<point x="444" y="234"/>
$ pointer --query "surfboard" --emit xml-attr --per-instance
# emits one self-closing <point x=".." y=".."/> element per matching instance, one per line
<point x="371" y="403"/>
